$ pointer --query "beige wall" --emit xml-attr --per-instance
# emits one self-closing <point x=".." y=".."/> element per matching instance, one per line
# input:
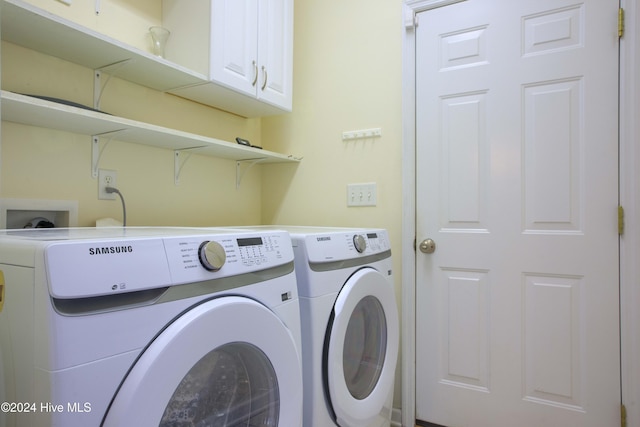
<point x="347" y="76"/>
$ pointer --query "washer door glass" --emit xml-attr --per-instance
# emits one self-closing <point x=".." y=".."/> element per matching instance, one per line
<point x="229" y="361"/>
<point x="365" y="345"/>
<point x="234" y="384"/>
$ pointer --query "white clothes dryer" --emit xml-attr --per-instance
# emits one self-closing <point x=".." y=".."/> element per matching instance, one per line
<point x="148" y="327"/>
<point x="350" y="326"/>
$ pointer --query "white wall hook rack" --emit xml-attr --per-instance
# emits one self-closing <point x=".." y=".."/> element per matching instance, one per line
<point x="361" y="134"/>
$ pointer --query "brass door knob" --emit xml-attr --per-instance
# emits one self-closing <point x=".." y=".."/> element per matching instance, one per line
<point x="428" y="246"/>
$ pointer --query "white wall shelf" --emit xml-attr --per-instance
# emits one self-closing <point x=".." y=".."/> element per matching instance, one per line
<point x="32" y="111"/>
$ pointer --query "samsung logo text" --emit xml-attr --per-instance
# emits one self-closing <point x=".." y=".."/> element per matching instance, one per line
<point x="105" y="250"/>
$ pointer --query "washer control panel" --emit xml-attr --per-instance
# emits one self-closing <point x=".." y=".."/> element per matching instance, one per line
<point x="86" y="268"/>
<point x="194" y="258"/>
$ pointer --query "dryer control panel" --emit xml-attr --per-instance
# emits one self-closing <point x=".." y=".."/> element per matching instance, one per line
<point x="336" y="246"/>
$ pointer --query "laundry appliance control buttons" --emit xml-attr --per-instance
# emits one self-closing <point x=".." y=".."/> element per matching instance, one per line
<point x="360" y="243"/>
<point x="212" y="255"/>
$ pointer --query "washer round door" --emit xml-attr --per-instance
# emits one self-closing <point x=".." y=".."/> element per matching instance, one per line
<point x="226" y="362"/>
<point x="362" y="349"/>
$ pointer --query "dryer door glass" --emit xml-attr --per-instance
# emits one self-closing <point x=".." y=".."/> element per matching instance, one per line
<point x="365" y="345"/>
<point x="234" y="384"/>
<point x="361" y="349"/>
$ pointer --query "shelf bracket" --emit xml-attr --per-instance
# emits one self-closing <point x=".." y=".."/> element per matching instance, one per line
<point x="180" y="157"/>
<point x="240" y="172"/>
<point x="98" y="86"/>
<point x="96" y="151"/>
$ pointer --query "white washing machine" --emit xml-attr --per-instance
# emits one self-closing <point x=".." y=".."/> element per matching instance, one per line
<point x="350" y="326"/>
<point x="149" y="327"/>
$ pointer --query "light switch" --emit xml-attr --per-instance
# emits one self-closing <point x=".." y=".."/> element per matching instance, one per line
<point x="364" y="194"/>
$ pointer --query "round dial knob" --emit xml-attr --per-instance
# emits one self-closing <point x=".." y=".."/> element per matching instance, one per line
<point x="212" y="255"/>
<point x="359" y="243"/>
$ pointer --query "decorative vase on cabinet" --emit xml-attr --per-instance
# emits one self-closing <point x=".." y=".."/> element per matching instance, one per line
<point x="243" y="46"/>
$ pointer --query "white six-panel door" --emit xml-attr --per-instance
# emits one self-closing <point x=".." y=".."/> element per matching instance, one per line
<point x="517" y="310"/>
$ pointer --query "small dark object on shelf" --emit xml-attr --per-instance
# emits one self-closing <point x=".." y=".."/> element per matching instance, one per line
<point x="246" y="143"/>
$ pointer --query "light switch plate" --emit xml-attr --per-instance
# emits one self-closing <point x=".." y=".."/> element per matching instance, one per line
<point x="364" y="194"/>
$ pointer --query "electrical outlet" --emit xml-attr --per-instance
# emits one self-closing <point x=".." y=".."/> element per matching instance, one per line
<point x="362" y="194"/>
<point x="106" y="178"/>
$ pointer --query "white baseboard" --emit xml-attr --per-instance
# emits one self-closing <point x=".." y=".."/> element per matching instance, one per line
<point x="396" y="417"/>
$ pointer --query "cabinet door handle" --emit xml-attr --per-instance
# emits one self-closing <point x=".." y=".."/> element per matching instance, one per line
<point x="264" y="72"/>
<point x="255" y="74"/>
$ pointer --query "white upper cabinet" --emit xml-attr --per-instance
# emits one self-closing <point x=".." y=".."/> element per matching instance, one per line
<point x="275" y="50"/>
<point x="234" y="44"/>
<point x="245" y="47"/>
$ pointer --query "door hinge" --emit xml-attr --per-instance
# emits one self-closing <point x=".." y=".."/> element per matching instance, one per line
<point x="620" y="22"/>
<point x="623" y="416"/>
<point x="411" y="20"/>
<point x="620" y="220"/>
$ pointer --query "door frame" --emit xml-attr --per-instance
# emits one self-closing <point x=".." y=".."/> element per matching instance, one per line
<point x="629" y="177"/>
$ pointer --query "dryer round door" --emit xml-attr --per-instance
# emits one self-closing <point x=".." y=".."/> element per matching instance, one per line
<point x="228" y="361"/>
<point x="362" y="349"/>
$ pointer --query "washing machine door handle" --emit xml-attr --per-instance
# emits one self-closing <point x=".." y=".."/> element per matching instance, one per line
<point x="365" y="330"/>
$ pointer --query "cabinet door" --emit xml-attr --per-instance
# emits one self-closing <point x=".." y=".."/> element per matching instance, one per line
<point x="234" y="51"/>
<point x="275" y="49"/>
